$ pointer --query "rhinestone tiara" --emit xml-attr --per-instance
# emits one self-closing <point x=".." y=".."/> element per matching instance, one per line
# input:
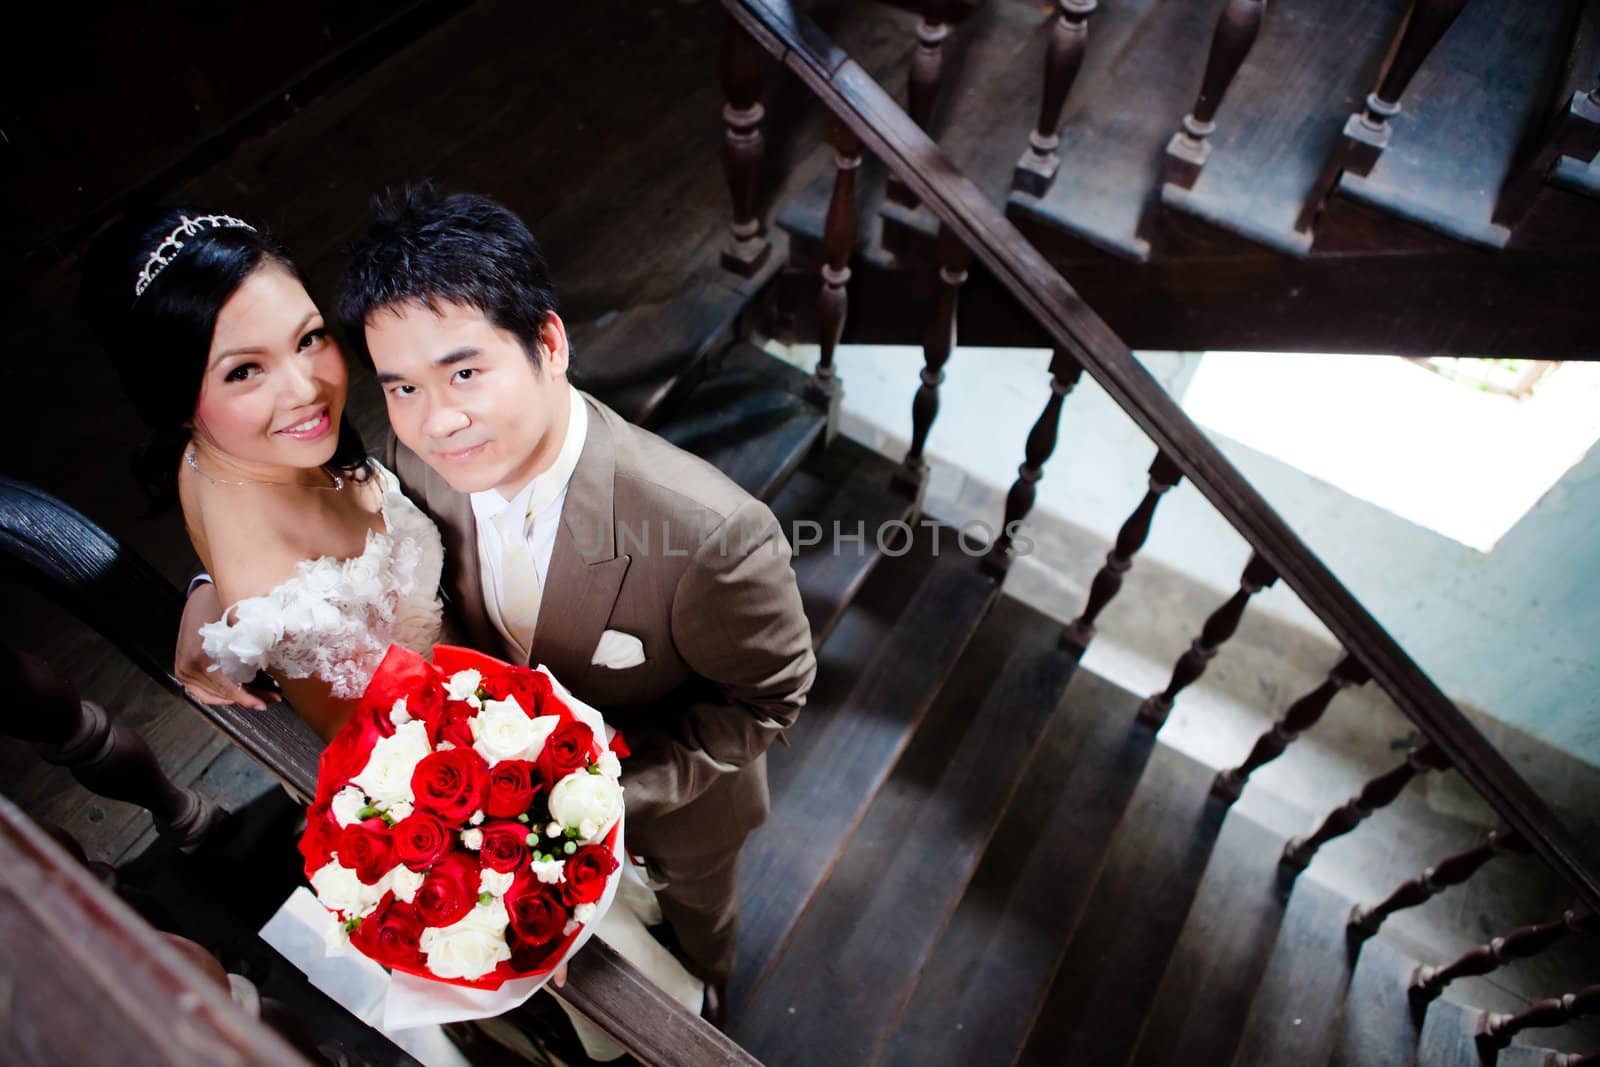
<point x="172" y="244"/>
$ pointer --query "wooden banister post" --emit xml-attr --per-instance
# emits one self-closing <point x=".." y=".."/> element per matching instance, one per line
<point x="1063" y="59"/>
<point x="1428" y="982"/>
<point x="838" y="244"/>
<point x="742" y="147"/>
<point x="954" y="258"/>
<point x="1237" y="28"/>
<point x="1453" y="870"/>
<point x="1065" y="371"/>
<point x="922" y="87"/>
<point x="1376" y="794"/>
<point x="1496" y="1030"/>
<point x="1301" y="716"/>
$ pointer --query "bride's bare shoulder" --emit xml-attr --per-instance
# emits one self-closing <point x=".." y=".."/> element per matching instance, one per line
<point x="248" y="546"/>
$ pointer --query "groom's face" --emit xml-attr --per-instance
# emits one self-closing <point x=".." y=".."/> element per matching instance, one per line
<point x="463" y="394"/>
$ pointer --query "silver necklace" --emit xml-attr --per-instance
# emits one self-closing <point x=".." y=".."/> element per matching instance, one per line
<point x="337" y="486"/>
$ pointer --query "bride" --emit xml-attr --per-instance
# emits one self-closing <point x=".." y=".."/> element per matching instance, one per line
<point x="320" y="558"/>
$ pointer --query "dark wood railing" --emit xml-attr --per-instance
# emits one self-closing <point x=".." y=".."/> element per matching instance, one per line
<point x="1428" y="982"/>
<point x="1237" y="28"/>
<point x="968" y="216"/>
<point x="55" y="549"/>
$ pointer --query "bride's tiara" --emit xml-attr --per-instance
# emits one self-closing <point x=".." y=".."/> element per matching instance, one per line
<point x="168" y="249"/>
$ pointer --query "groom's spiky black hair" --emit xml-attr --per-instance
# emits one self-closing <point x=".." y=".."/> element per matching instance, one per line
<point x="428" y="247"/>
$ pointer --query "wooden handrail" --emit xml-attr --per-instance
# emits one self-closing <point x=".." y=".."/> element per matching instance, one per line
<point x="857" y="100"/>
<point x="48" y="545"/>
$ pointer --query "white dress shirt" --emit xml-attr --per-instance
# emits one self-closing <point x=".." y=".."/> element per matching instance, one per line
<point x="542" y="501"/>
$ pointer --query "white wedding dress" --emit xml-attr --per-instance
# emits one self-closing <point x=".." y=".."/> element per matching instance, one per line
<point x="334" y="619"/>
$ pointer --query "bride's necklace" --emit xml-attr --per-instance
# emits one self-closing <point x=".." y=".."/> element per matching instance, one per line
<point x="337" y="486"/>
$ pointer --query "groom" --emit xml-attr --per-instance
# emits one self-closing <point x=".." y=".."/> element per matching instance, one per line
<point x="647" y="582"/>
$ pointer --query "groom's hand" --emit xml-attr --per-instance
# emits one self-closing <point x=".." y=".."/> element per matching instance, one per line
<point x="189" y="660"/>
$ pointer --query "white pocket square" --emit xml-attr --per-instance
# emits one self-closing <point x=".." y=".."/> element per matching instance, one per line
<point x="618" y="651"/>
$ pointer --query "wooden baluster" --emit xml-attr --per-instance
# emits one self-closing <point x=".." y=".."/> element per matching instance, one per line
<point x="1236" y="32"/>
<point x="1062" y="61"/>
<point x="1428" y="982"/>
<point x="1301" y="716"/>
<point x="1496" y="1030"/>
<point x="1366" y="133"/>
<point x="838" y="243"/>
<point x="1364" y="922"/>
<point x="1064" y="374"/>
<point x="1258" y="575"/>
<point x="110" y="759"/>
<point x="936" y="349"/>
<point x="1575" y="132"/>
<point x="1164" y="474"/>
<point x="922" y="88"/>
<point x="742" y="146"/>
<point x="1376" y="794"/>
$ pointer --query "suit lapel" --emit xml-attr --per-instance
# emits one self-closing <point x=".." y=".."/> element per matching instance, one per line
<point x="585" y="572"/>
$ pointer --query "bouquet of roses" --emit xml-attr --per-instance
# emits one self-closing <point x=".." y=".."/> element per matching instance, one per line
<point x="467" y="827"/>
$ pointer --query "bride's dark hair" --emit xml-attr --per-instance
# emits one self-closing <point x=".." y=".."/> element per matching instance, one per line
<point x="159" y="341"/>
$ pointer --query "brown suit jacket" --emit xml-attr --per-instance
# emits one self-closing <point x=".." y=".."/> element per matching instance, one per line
<point x="659" y="544"/>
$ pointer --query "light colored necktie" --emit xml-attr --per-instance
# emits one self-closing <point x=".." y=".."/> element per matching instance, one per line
<point x="519" y="600"/>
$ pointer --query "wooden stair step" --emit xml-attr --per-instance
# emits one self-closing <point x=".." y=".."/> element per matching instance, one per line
<point x="1576" y="176"/>
<point x="1450" y="149"/>
<point x="644" y="360"/>
<point x="995" y="959"/>
<point x="1295" y="1015"/>
<point x="1204" y="996"/>
<point x="750" y="420"/>
<point x="1111" y="146"/>
<point x="1311" y="66"/>
<point x="854" y="955"/>
<point x="846" y="745"/>
<point x="1449" y="1036"/>
<point x="1110" y="970"/>
<point x="861" y="501"/>
<point x="1378" y="1030"/>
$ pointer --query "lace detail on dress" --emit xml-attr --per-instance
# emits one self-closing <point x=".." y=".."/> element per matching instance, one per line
<point x="334" y="619"/>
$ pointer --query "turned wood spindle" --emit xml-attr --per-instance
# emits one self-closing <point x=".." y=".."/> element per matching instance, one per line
<point x="108" y="758"/>
<point x="1454" y="870"/>
<point x="1258" y="575"/>
<point x="1063" y="59"/>
<point x="838" y="242"/>
<point x="936" y="350"/>
<point x="1237" y="28"/>
<point x="1065" y="371"/>
<point x="1301" y="716"/>
<point x="1366" y="133"/>
<point x="1428" y="982"/>
<point x="922" y="87"/>
<point x="1164" y="474"/>
<point x="742" y="146"/>
<point x="1575" y="132"/>
<point x="1496" y="1029"/>
<point x="1376" y="794"/>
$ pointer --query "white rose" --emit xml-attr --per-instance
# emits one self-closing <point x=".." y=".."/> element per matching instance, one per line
<point x="347" y="805"/>
<point x="550" y="872"/>
<point x="609" y="765"/>
<point x="477" y="818"/>
<point x="387" y="775"/>
<point x="405" y="882"/>
<point x="502" y="731"/>
<point x="584" y="912"/>
<point x="400" y="811"/>
<point x="471" y="947"/>
<point x="590" y="802"/>
<point x="399" y="714"/>
<point x="463" y="685"/>
<point x="473" y="838"/>
<point x="335" y="938"/>
<point x="495" y="883"/>
<point x="339" y="889"/>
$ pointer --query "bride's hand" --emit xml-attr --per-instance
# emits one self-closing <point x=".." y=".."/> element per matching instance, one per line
<point x="190" y="662"/>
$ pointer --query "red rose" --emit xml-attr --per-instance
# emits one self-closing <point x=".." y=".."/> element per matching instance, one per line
<point x="368" y="847"/>
<point x="619" y="745"/>
<point x="450" y="890"/>
<point x="566" y="750"/>
<point x="454" y="726"/>
<point x="511" y="789"/>
<point x="587" y="871"/>
<point x="529" y="688"/>
<point x="450" y="784"/>
<point x="348" y="752"/>
<point x="320" y="839"/>
<point x="537" y="912"/>
<point x="528" y="957"/>
<point x="505" y="846"/>
<point x="391" y="934"/>
<point x="419" y="840"/>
